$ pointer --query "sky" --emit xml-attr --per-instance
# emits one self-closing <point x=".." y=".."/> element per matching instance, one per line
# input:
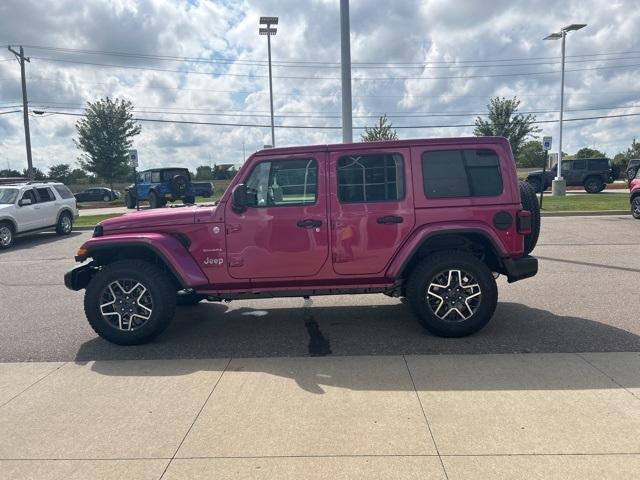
<point x="430" y="63"/>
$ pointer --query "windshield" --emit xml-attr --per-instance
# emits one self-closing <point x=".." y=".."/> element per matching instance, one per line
<point x="8" y="195"/>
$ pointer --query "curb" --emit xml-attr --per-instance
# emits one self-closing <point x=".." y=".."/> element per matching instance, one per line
<point x="585" y="214"/>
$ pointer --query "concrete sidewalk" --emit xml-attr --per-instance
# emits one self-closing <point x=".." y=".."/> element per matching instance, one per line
<point x="397" y="417"/>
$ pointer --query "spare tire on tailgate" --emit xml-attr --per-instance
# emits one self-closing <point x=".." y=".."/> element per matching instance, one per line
<point x="529" y="201"/>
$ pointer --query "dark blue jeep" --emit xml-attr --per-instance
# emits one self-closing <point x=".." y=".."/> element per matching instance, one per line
<point x="161" y="185"/>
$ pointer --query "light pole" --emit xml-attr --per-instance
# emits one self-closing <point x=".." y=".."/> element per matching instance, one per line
<point x="345" y="62"/>
<point x="268" y="31"/>
<point x="559" y="185"/>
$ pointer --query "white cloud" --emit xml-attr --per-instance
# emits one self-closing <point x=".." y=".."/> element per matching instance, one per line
<point x="394" y="32"/>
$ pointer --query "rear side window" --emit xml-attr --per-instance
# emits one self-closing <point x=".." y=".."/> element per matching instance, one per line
<point x="63" y="191"/>
<point x="461" y="173"/>
<point x="45" y="195"/>
<point x="599" y="164"/>
<point x="579" y="165"/>
<point x="371" y="178"/>
<point x="155" y="177"/>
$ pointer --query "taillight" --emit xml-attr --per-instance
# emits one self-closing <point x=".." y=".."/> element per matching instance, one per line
<point x="523" y="223"/>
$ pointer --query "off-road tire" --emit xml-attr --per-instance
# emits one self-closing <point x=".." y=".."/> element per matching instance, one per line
<point x="422" y="277"/>
<point x="190" y="199"/>
<point x="129" y="201"/>
<point x="188" y="299"/>
<point x="65" y="224"/>
<point x="593" y="185"/>
<point x="631" y="173"/>
<point x="635" y="207"/>
<point x="179" y="185"/>
<point x="8" y="233"/>
<point x="529" y="201"/>
<point x="157" y="283"/>
<point x="154" y="200"/>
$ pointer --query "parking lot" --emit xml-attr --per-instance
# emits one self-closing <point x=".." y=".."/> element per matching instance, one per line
<point x="585" y="299"/>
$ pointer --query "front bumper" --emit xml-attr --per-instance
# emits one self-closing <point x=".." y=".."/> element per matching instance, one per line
<point x="79" y="277"/>
<point x="520" y="268"/>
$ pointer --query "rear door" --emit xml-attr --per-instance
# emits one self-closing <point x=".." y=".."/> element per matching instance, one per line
<point x="284" y="233"/>
<point x="576" y="173"/>
<point x="372" y="209"/>
<point x="49" y="207"/>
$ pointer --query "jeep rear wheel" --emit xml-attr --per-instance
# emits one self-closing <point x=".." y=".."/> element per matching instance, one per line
<point x="129" y="302"/>
<point x="635" y="208"/>
<point x="7" y="236"/>
<point x="453" y="294"/>
<point x="130" y="201"/>
<point x="65" y="224"/>
<point x="593" y="185"/>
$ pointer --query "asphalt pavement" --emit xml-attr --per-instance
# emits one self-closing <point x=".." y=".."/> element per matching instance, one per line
<point x="585" y="299"/>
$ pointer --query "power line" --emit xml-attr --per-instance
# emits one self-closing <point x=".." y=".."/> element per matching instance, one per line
<point x="12" y="111"/>
<point x="291" y="77"/>
<point x="257" y="62"/>
<point x="329" y="127"/>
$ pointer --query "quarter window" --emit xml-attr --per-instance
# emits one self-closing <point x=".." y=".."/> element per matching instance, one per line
<point x="281" y="183"/>
<point x="371" y="178"/>
<point x="461" y="173"/>
<point x="63" y="191"/>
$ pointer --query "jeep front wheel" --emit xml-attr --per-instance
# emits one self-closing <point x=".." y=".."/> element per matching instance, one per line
<point x="154" y="200"/>
<point x="635" y="209"/>
<point x="453" y="294"/>
<point x="129" y="302"/>
<point x="130" y="201"/>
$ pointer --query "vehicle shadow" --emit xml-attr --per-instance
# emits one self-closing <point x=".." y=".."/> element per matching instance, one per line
<point x="36" y="239"/>
<point x="214" y="331"/>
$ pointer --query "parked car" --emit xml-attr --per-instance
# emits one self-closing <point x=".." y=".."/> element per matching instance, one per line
<point x="161" y="185"/>
<point x="632" y="169"/>
<point x="97" y="194"/>
<point x="591" y="173"/>
<point x="430" y="220"/>
<point x="634" y="197"/>
<point x="35" y="206"/>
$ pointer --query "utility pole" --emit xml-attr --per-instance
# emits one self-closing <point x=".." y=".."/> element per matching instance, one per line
<point x="25" y="107"/>
<point x="268" y="31"/>
<point x="345" y="57"/>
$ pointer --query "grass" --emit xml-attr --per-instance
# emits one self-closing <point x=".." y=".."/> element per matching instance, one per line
<point x="91" y="220"/>
<point x="597" y="202"/>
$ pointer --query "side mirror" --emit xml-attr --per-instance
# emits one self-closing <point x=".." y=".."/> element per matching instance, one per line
<point x="239" y="198"/>
<point x="25" y="201"/>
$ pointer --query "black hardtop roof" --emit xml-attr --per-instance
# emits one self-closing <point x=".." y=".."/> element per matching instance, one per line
<point x="163" y="169"/>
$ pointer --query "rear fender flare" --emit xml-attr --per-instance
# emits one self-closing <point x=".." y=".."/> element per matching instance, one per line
<point x="421" y="236"/>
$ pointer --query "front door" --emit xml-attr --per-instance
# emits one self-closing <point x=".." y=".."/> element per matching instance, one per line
<point x="284" y="233"/>
<point x="28" y="217"/>
<point x="372" y="209"/>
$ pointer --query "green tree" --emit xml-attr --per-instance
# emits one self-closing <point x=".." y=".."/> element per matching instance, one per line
<point x="531" y="155"/>
<point x="382" y="131"/>
<point x="204" y="172"/>
<point x="587" y="152"/>
<point x="105" y="134"/>
<point x="60" y="172"/>
<point x="37" y="174"/>
<point x="9" y="173"/>
<point x="504" y="121"/>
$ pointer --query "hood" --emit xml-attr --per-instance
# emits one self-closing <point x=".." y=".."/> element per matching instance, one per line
<point x="147" y="218"/>
<point x="6" y="206"/>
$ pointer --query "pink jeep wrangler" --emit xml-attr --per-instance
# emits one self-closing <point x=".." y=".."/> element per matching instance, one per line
<point x="431" y="220"/>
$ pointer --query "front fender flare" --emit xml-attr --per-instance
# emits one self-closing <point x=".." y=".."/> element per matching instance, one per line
<point x="167" y="247"/>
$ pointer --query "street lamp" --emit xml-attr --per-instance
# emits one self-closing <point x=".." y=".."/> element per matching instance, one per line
<point x="559" y="186"/>
<point x="268" y="31"/>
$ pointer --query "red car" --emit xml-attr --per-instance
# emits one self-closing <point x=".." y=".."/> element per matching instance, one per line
<point x="431" y="220"/>
<point x="634" y="188"/>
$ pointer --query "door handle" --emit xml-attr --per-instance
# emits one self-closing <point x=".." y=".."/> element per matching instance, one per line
<point x="309" y="223"/>
<point x="389" y="219"/>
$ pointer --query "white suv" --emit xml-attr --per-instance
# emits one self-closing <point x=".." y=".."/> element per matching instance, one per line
<point x="35" y="206"/>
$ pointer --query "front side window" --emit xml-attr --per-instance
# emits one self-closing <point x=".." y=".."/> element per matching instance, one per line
<point x="8" y="195"/>
<point x="371" y="178"/>
<point x="30" y="195"/>
<point x="276" y="183"/>
<point x="461" y="173"/>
